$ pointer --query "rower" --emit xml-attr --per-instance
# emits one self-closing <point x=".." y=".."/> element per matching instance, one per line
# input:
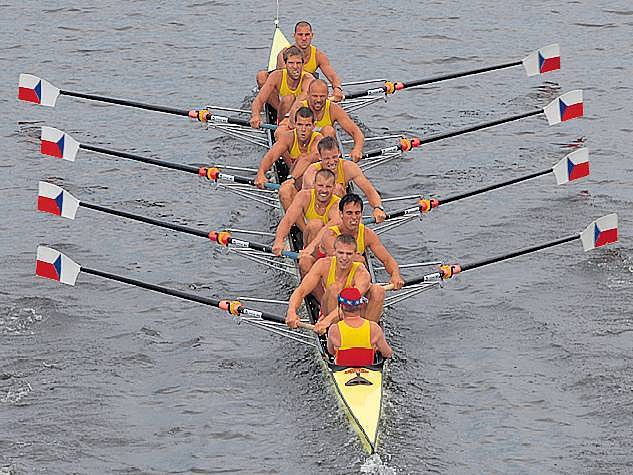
<point x="313" y="59"/>
<point x="354" y="340"/>
<point x="327" y="114"/>
<point x="328" y="277"/>
<point x="350" y="223"/>
<point x="282" y="87"/>
<point x="292" y="146"/>
<point x="346" y="171"/>
<point x="309" y="211"/>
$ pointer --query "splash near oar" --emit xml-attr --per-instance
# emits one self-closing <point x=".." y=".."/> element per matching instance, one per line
<point x="599" y="233"/>
<point x="52" y="264"/>
<point x="55" y="200"/>
<point x="542" y="61"/>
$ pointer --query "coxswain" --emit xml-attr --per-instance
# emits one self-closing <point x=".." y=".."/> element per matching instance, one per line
<point x="330" y="275"/>
<point x="354" y="340"/>
<point x="313" y="59"/>
<point x="350" y="223"/>
<point x="282" y="87"/>
<point x="346" y="171"/>
<point x="310" y="211"/>
<point x="326" y="115"/>
<point x="292" y="146"/>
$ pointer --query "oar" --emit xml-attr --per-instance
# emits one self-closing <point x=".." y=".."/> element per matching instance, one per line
<point x="599" y="233"/>
<point x="54" y="265"/>
<point x="573" y="166"/>
<point x="39" y="91"/>
<point x="56" y="143"/>
<point x="566" y="107"/>
<point x="541" y="61"/>
<point x="55" y="200"/>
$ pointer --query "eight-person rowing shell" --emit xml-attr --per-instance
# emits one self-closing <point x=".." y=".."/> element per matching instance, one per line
<point x="330" y="275"/>
<point x="282" y="87"/>
<point x="310" y="211"/>
<point x="326" y="114"/>
<point x="354" y="340"/>
<point x="346" y="171"/>
<point x="313" y="59"/>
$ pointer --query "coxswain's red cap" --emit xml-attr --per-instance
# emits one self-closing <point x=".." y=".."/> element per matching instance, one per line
<point x="350" y="297"/>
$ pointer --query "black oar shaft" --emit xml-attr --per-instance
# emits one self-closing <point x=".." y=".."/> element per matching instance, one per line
<point x="125" y="102"/>
<point x="175" y="293"/>
<point x="139" y="158"/>
<point x="495" y="186"/>
<point x="472" y="72"/>
<point x="474" y="128"/>
<point x="520" y="252"/>
<point x="145" y="219"/>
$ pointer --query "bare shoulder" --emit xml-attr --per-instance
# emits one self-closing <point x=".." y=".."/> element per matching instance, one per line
<point x="371" y="236"/>
<point x="321" y="57"/>
<point x="351" y="168"/>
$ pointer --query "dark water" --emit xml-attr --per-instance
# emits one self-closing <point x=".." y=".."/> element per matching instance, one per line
<point x="522" y="367"/>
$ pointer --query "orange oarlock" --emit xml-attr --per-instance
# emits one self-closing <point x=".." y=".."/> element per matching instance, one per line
<point x="405" y="145"/>
<point x="449" y="270"/>
<point x="390" y="87"/>
<point x="213" y="173"/>
<point x="427" y="204"/>
<point x="221" y="237"/>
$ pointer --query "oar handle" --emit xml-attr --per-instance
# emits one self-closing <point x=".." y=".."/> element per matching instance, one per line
<point x="307" y="326"/>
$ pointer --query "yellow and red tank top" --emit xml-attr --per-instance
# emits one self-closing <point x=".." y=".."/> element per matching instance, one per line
<point x="295" y="150"/>
<point x="284" y="89"/>
<point x="352" y="337"/>
<point x="360" y="237"/>
<point x="331" y="275"/>
<point x="340" y="174"/>
<point x="311" y="212"/>
<point x="326" y="119"/>
<point x="311" y="65"/>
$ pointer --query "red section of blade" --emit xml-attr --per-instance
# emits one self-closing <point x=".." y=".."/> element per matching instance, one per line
<point x="48" y="205"/>
<point x="573" y="111"/>
<point x="46" y="270"/>
<point x="607" y="236"/>
<point x="550" y="64"/>
<point x="580" y="170"/>
<point x="27" y="94"/>
<point x="50" y="148"/>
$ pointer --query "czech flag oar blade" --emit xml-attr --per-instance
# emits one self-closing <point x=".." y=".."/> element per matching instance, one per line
<point x="566" y="107"/>
<point x="601" y="232"/>
<point x="572" y="166"/>
<point x="37" y="90"/>
<point x="543" y="60"/>
<point x="55" y="200"/>
<point x="52" y="264"/>
<point x="56" y="143"/>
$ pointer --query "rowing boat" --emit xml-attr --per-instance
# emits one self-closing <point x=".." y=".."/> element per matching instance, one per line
<point x="359" y="390"/>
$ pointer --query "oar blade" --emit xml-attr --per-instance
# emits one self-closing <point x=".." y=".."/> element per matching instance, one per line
<point x="572" y="166"/>
<point x="566" y="107"/>
<point x="601" y="232"/>
<point x="37" y="90"/>
<point x="52" y="264"/>
<point x="56" y="143"/>
<point x="55" y="200"/>
<point x="542" y="60"/>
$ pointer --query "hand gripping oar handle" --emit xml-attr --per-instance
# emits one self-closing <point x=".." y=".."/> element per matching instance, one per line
<point x="205" y="115"/>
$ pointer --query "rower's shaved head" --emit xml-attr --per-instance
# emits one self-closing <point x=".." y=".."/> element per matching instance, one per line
<point x="318" y="85"/>
<point x="327" y="175"/>
<point x="327" y="143"/>
<point x="302" y="23"/>
<point x="292" y="51"/>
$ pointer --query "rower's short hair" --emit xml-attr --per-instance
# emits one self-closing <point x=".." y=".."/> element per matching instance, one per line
<point x="345" y="239"/>
<point x="302" y="23"/>
<point x="304" y="112"/>
<point x="292" y="51"/>
<point x="350" y="198"/>
<point x="316" y="82"/>
<point x="329" y="174"/>
<point x="327" y="143"/>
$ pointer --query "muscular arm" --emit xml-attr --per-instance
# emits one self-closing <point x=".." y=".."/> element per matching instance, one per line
<point x="333" y="339"/>
<point x="362" y="280"/>
<point x="292" y="215"/>
<point x="356" y="174"/>
<point x="381" y="342"/>
<point x="267" y="89"/>
<point x="308" y="178"/>
<point x="307" y="285"/>
<point x="327" y="69"/>
<point x="276" y="151"/>
<point x="374" y="243"/>
<point x="339" y="115"/>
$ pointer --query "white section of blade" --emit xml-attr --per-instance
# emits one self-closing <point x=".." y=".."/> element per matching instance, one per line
<point x="576" y="157"/>
<point x="610" y="221"/>
<point x="70" y="269"/>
